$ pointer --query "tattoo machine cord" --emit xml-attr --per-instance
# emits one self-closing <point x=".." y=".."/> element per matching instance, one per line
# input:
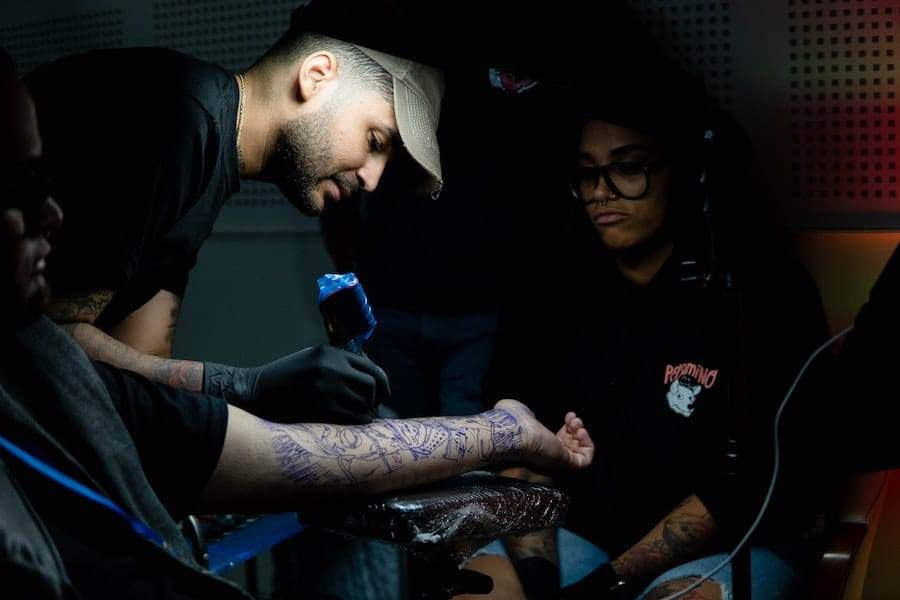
<point x="777" y="464"/>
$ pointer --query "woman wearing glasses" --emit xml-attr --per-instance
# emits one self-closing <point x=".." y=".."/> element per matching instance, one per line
<point x="641" y="339"/>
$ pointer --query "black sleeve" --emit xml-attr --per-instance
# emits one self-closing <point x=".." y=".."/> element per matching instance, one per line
<point x="176" y="279"/>
<point x="179" y="435"/>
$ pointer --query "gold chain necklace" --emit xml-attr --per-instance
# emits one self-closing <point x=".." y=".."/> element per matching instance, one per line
<point x="240" y="123"/>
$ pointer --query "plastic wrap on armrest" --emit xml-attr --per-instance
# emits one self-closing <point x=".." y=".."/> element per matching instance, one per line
<point x="454" y="517"/>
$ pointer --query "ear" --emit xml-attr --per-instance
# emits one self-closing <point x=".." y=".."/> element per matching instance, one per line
<point x="696" y="389"/>
<point x="317" y="71"/>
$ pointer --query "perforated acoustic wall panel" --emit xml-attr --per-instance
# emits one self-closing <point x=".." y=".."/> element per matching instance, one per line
<point x="813" y="81"/>
<point x="37" y="41"/>
<point x="231" y="34"/>
<point x="697" y="35"/>
<point x="843" y="99"/>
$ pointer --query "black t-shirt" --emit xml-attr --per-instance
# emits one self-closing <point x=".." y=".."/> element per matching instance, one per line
<point x="142" y="146"/>
<point x="647" y="370"/>
<point x="179" y="437"/>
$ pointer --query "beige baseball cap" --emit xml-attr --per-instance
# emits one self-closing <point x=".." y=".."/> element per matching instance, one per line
<point x="418" y="90"/>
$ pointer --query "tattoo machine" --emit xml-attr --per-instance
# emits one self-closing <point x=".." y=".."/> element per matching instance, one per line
<point x="349" y="321"/>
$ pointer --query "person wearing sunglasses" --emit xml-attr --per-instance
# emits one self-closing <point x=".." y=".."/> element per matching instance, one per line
<point x="25" y="187"/>
<point x="637" y="342"/>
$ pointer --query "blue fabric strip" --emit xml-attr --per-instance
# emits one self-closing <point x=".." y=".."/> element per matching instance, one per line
<point x="82" y="490"/>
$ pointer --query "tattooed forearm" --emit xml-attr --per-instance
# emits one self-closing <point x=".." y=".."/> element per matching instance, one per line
<point x="708" y="591"/>
<point x="682" y="535"/>
<point x="83" y="307"/>
<point x="333" y="455"/>
<point x="643" y="559"/>
<point x="182" y="374"/>
<point x="276" y="467"/>
<point x="688" y="529"/>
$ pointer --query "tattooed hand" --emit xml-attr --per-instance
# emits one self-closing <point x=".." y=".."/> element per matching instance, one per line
<point x="570" y="448"/>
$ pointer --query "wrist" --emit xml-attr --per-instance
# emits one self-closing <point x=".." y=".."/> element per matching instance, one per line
<point x="510" y="437"/>
<point x="227" y="382"/>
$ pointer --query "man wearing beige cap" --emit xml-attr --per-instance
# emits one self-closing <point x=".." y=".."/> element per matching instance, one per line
<point x="145" y="145"/>
<point x="322" y="117"/>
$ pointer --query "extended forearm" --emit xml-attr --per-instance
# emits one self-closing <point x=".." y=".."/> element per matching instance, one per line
<point x="683" y="535"/>
<point x="267" y="466"/>
<point x="182" y="374"/>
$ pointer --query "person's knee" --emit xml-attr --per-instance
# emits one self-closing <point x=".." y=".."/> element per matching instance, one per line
<point x="709" y="590"/>
<point x="501" y="570"/>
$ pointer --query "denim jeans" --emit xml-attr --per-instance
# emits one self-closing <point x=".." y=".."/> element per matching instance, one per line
<point x="772" y="576"/>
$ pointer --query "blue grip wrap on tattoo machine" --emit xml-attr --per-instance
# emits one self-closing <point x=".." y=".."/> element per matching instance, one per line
<point x="349" y="321"/>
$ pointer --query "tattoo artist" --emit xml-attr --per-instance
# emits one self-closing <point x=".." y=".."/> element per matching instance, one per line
<point x="170" y="138"/>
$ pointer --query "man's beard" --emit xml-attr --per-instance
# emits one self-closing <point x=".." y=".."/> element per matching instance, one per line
<point x="21" y="307"/>
<point x="303" y="152"/>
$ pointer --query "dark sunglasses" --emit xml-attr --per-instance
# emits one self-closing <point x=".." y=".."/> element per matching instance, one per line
<point x="26" y="187"/>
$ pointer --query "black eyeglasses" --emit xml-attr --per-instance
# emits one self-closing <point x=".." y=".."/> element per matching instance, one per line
<point x="624" y="179"/>
<point x="26" y="187"/>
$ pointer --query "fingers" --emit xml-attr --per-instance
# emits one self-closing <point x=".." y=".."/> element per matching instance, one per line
<point x="574" y="425"/>
<point x="355" y="399"/>
<point x="380" y="379"/>
<point x="345" y="406"/>
<point x="584" y="439"/>
<point x="360" y="374"/>
<point x="382" y="387"/>
<point x="362" y="363"/>
<point x="576" y="439"/>
<point x="345" y="417"/>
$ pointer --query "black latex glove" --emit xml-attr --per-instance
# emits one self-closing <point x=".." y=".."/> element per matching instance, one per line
<point x="539" y="578"/>
<point x="600" y="584"/>
<point x="321" y="384"/>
